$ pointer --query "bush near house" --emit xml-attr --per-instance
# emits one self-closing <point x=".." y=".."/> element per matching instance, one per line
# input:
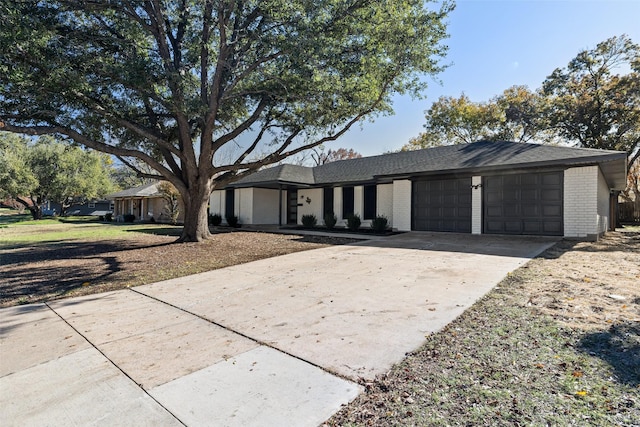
<point x="128" y="217"/>
<point x="353" y="222"/>
<point x="215" y="219"/>
<point x="233" y="221"/>
<point x="380" y="224"/>
<point x="309" y="221"/>
<point x="330" y="220"/>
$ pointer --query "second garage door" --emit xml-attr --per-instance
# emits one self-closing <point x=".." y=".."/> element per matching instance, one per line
<point x="523" y="204"/>
<point x="442" y="205"/>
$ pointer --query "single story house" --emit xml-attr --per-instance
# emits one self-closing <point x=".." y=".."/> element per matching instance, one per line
<point x="90" y="208"/>
<point x="482" y="188"/>
<point x="144" y="202"/>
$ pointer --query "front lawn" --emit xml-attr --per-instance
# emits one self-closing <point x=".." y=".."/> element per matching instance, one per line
<point x="64" y="257"/>
<point x="556" y="343"/>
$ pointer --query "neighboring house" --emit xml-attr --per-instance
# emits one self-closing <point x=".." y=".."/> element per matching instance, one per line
<point x="91" y="208"/>
<point x="144" y="202"/>
<point x="480" y="188"/>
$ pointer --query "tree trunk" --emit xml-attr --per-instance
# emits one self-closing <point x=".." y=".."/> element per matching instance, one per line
<point x="36" y="212"/>
<point x="196" y="214"/>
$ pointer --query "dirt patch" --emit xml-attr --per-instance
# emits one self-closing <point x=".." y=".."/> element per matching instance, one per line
<point x="36" y="273"/>
<point x="555" y="343"/>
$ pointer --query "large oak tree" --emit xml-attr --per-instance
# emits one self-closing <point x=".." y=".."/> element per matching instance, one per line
<point x="172" y="82"/>
<point x="594" y="101"/>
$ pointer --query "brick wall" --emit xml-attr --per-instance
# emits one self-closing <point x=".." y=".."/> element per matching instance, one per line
<point x="476" y="205"/>
<point x="402" y="205"/>
<point x="581" y="188"/>
<point x="385" y="201"/>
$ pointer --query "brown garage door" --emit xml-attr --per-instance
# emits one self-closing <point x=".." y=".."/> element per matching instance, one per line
<point x="523" y="204"/>
<point x="442" y="205"/>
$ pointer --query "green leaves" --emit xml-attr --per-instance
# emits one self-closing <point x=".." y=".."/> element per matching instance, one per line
<point x="51" y="170"/>
<point x="592" y="105"/>
<point x="171" y="83"/>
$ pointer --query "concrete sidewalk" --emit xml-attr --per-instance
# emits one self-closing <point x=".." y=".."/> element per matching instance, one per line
<point x="281" y="341"/>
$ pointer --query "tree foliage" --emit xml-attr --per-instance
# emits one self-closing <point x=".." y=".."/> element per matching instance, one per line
<point x="593" y="102"/>
<point x="171" y="83"/>
<point x="590" y="105"/>
<point x="171" y="198"/>
<point x="512" y="116"/>
<point x="321" y="157"/>
<point x="33" y="173"/>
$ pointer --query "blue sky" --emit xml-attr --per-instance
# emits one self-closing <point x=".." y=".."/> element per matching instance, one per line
<point x="497" y="44"/>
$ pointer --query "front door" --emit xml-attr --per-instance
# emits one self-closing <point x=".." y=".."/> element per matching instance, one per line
<point x="292" y="206"/>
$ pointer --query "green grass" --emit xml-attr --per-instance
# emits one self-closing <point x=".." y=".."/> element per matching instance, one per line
<point x="19" y="229"/>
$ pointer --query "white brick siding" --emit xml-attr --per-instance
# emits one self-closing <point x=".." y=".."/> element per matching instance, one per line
<point x="216" y="203"/>
<point x="314" y="207"/>
<point x="402" y="205"/>
<point x="586" y="202"/>
<point x="337" y="205"/>
<point x="244" y="205"/>
<point x="385" y="201"/>
<point x="476" y="205"/>
<point x="358" y="201"/>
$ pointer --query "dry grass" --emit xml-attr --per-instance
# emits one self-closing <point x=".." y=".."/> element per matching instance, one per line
<point x="35" y="271"/>
<point x="556" y="343"/>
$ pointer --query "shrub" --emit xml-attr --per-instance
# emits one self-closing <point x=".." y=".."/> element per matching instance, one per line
<point x="128" y="217"/>
<point x="379" y="224"/>
<point x="353" y="222"/>
<point x="233" y="221"/>
<point x="309" y="221"/>
<point x="108" y="217"/>
<point x="215" y="219"/>
<point x="330" y="220"/>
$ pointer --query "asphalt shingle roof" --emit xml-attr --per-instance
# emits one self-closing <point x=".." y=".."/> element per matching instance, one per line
<point x="478" y="156"/>
<point x="145" y="190"/>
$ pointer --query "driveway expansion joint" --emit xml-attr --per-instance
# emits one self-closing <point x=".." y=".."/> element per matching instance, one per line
<point x="112" y="362"/>
<point x="255" y="340"/>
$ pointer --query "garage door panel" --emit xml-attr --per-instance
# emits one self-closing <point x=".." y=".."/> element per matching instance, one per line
<point x="553" y="227"/>
<point x="554" y="179"/>
<point x="552" y="194"/>
<point x="442" y="205"/>
<point x="532" y="227"/>
<point x="524" y="204"/>
<point x="513" y="226"/>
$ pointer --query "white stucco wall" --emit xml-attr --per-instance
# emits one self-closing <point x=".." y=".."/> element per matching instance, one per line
<point x="244" y="205"/>
<point x="337" y="205"/>
<point x="313" y="207"/>
<point x="586" y="202"/>
<point x="385" y="201"/>
<point x="216" y="203"/>
<point x="358" y="205"/>
<point x="265" y="206"/>
<point x="476" y="205"/>
<point x="402" y="205"/>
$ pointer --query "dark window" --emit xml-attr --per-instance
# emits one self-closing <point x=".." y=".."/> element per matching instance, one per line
<point x="292" y="206"/>
<point x="347" y="202"/>
<point x="328" y="200"/>
<point x="229" y="203"/>
<point x="370" y="201"/>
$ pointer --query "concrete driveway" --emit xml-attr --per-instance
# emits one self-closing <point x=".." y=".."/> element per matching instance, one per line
<point x="281" y="341"/>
